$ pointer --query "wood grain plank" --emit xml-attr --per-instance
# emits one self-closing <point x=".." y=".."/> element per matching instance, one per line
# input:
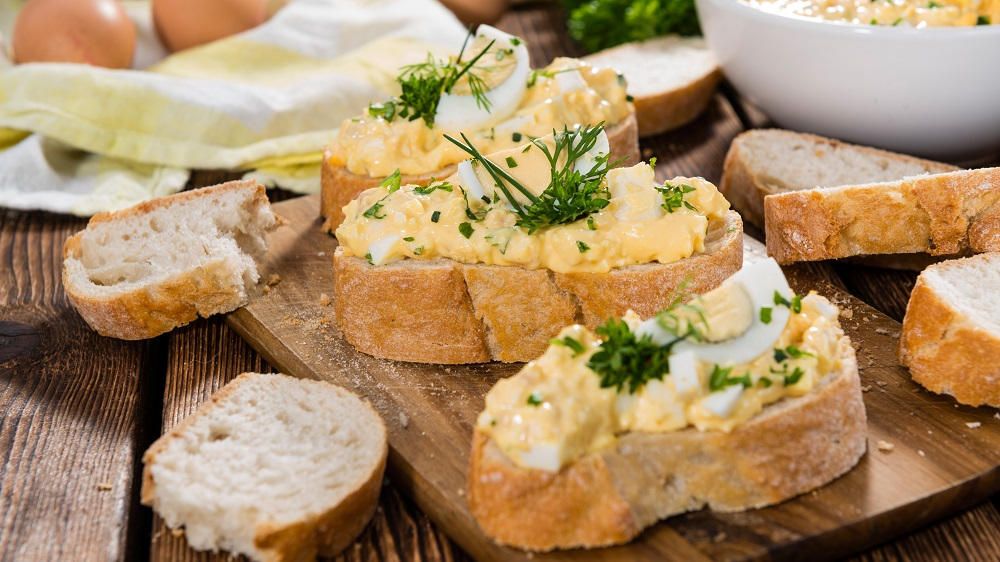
<point x="69" y="408"/>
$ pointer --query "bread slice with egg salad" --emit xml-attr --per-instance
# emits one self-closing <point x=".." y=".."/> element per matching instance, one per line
<point x="743" y="397"/>
<point x="489" y="92"/>
<point x="491" y="262"/>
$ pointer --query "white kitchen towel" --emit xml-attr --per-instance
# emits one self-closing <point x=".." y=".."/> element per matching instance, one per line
<point x="268" y="99"/>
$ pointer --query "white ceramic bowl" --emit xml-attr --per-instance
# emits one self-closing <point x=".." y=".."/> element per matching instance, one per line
<point x="933" y="92"/>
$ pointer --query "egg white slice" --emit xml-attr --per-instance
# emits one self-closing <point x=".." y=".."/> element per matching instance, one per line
<point x="473" y="187"/>
<point x="543" y="456"/>
<point x="456" y="112"/>
<point x="760" y="281"/>
<point x="379" y="249"/>
<point x="684" y="372"/>
<point x="570" y="80"/>
<point x="602" y="147"/>
<point x="723" y="402"/>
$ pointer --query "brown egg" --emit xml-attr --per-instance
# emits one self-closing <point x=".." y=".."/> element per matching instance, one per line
<point x="182" y="24"/>
<point x="96" y="32"/>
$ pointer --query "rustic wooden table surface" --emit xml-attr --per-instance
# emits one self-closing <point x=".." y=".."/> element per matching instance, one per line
<point x="77" y="410"/>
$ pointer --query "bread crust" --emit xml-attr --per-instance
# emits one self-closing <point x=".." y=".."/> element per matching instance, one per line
<point x="338" y="186"/>
<point x="746" y="187"/>
<point x="443" y="311"/>
<point x="941" y="214"/>
<point x="325" y="533"/>
<point x="946" y="351"/>
<point x="151" y="310"/>
<point x="792" y="446"/>
<point x="675" y="108"/>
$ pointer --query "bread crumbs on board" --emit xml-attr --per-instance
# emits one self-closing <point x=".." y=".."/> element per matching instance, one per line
<point x="973" y="425"/>
<point x="885" y="446"/>
<point x="324" y="299"/>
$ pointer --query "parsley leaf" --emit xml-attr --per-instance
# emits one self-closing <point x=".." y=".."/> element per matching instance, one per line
<point x="673" y="197"/>
<point x="569" y="342"/>
<point x="720" y="379"/>
<point x="534" y="399"/>
<point x="582" y="246"/>
<point x="466" y="229"/>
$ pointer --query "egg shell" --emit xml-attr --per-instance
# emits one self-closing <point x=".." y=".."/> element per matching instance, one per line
<point x="94" y="32"/>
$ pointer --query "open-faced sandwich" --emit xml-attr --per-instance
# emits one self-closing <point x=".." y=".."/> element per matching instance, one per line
<point x="491" y="262"/>
<point x="740" y="398"/>
<point x="489" y="92"/>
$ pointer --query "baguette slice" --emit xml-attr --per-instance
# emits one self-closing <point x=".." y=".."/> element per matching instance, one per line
<point x="273" y="467"/>
<point x="767" y="161"/>
<point x="792" y="446"/>
<point x="145" y="270"/>
<point x="443" y="311"/>
<point x="338" y="186"/>
<point x="951" y="333"/>
<point x="941" y="214"/>
<point x="671" y="79"/>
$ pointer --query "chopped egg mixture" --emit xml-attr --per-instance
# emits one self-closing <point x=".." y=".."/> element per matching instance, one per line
<point x="577" y="397"/>
<point x="915" y="13"/>
<point x="465" y="218"/>
<point x="516" y="103"/>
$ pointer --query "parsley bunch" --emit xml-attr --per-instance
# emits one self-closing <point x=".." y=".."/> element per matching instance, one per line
<point x="625" y="360"/>
<point x="599" y="24"/>
<point x="422" y="85"/>
<point x="571" y="194"/>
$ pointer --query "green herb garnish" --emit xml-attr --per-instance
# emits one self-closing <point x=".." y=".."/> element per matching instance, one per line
<point x="673" y="197"/>
<point x="720" y="379"/>
<point x="571" y="194"/>
<point x="427" y="189"/>
<point x="582" y="246"/>
<point x="422" y="85"/>
<point x="599" y="24"/>
<point x="794" y="377"/>
<point x="795" y="304"/>
<point x="627" y="361"/>
<point x="780" y="354"/>
<point x="569" y="342"/>
<point x="765" y="382"/>
<point x="466" y="229"/>
<point x="765" y="314"/>
<point x="511" y="163"/>
<point x="590" y="223"/>
<point x="391" y="182"/>
<point x="418" y="250"/>
<point x="516" y="137"/>
<point x="534" y="399"/>
<point x="435" y="216"/>
<point x="983" y="20"/>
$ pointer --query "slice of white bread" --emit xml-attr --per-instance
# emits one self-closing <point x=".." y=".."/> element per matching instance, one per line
<point x="443" y="311"/>
<point x="671" y="79"/>
<point x="792" y="446"/>
<point x="273" y="467"/>
<point x="762" y="162"/>
<point x="142" y="271"/>
<point x="951" y="333"/>
<point x="940" y="214"/>
<point x="338" y="186"/>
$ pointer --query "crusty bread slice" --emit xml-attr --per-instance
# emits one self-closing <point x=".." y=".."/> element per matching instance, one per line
<point x="792" y="446"/>
<point x="338" y="186"/>
<point x="951" y="333"/>
<point x="142" y="271"/>
<point x="941" y="214"/>
<point x="763" y="162"/>
<point x="442" y="311"/>
<point x="273" y="467"/>
<point x="671" y="79"/>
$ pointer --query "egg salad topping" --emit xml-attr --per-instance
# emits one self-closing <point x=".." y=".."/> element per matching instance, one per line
<point x="555" y="203"/>
<point x="590" y="387"/>
<point x="489" y="92"/>
<point x="916" y="13"/>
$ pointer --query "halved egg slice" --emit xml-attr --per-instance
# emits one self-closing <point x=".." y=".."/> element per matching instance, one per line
<point x="736" y="329"/>
<point x="461" y="110"/>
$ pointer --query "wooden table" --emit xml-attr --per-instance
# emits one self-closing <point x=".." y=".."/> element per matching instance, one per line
<point x="77" y="410"/>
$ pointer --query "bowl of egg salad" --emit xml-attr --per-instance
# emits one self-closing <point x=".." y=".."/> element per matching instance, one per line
<point x="915" y="76"/>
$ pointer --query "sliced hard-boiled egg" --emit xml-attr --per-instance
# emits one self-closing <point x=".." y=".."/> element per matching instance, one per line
<point x="470" y="181"/>
<point x="601" y="147"/>
<point x="543" y="456"/>
<point x="458" y="111"/>
<point x="759" y="282"/>
<point x="723" y="402"/>
<point x="730" y="317"/>
<point x="570" y="80"/>
<point x="684" y="372"/>
<point x="380" y="249"/>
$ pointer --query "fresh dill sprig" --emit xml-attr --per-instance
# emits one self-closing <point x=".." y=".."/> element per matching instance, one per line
<point x="625" y="361"/>
<point x="422" y="85"/>
<point x="572" y="193"/>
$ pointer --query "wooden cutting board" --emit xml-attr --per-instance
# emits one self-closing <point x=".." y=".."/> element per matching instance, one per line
<point x="945" y="457"/>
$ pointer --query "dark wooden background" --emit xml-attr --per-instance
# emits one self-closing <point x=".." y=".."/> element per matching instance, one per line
<point x="77" y="410"/>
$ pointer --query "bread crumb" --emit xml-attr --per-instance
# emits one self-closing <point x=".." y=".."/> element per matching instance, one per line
<point x="885" y="446"/>
<point x="847" y="313"/>
<point x="719" y="537"/>
<point x="104" y="486"/>
<point x="921" y="453"/>
<point x="404" y="420"/>
<point x="324" y="299"/>
<point x="997" y="415"/>
<point x="178" y="532"/>
<point x="973" y="425"/>
<point x="321" y="254"/>
<point x="881" y="383"/>
<point x="267" y="289"/>
<point x="882" y="331"/>
<point x="461" y="492"/>
<point x="274" y="279"/>
<point x="866" y="388"/>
